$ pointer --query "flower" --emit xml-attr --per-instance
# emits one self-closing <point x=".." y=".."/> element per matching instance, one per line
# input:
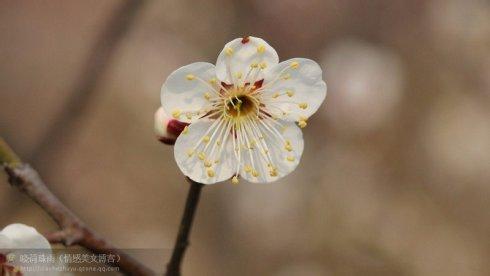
<point x="167" y="128"/>
<point x="242" y="112"/>
<point x="15" y="239"/>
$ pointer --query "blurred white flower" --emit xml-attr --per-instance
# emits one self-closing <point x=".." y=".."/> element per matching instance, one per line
<point x="365" y="82"/>
<point x="167" y="128"/>
<point x="15" y="239"/>
<point x="242" y="112"/>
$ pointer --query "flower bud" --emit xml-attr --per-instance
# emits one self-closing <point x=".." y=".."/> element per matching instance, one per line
<point x="167" y="129"/>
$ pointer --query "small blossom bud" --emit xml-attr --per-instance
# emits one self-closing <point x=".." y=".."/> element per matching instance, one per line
<point x="167" y="129"/>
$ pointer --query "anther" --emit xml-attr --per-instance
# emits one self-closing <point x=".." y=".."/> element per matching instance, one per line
<point x="206" y="139"/>
<point x="234" y="180"/>
<point x="263" y="65"/>
<point x="294" y="65"/>
<point x="208" y="164"/>
<point x="207" y="96"/>
<point x="247" y="168"/>
<point x="290" y="93"/>
<point x="201" y="156"/>
<point x="273" y="172"/>
<point x="255" y="173"/>
<point x="302" y="123"/>
<point x="210" y="172"/>
<point x="176" y="113"/>
<point x="290" y="158"/>
<point x="260" y="49"/>
<point x="303" y="105"/>
<point x="190" y="77"/>
<point x="275" y="95"/>
<point x="190" y="152"/>
<point x="229" y="51"/>
<point x="185" y="130"/>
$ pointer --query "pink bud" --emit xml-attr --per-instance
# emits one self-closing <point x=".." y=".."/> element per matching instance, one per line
<point x="167" y="128"/>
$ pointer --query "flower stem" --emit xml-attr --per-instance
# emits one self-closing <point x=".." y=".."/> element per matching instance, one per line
<point x="173" y="267"/>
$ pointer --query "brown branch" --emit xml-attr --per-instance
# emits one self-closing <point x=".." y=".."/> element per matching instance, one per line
<point x="173" y="267"/>
<point x="84" y="88"/>
<point x="73" y="230"/>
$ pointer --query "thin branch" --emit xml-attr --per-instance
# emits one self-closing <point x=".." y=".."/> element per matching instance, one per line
<point x="173" y="267"/>
<point x="83" y="90"/>
<point x="73" y="230"/>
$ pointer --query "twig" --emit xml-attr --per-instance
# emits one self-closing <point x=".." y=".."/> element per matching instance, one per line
<point x="84" y="88"/>
<point x="173" y="267"/>
<point x="73" y="230"/>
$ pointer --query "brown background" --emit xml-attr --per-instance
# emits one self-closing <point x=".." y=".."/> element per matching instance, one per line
<point x="394" y="177"/>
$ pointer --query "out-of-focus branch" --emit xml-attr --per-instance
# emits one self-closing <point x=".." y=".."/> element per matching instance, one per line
<point x="84" y="87"/>
<point x="173" y="267"/>
<point x="73" y="230"/>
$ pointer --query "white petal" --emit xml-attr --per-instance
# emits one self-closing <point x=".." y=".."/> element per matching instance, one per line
<point x="303" y="79"/>
<point x="25" y="237"/>
<point x="192" y="166"/>
<point x="184" y="90"/>
<point x="237" y="57"/>
<point x="278" y="153"/>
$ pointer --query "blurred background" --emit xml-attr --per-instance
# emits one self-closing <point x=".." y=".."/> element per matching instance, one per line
<point x="395" y="174"/>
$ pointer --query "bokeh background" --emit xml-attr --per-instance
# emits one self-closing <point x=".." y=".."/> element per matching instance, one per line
<point x="395" y="174"/>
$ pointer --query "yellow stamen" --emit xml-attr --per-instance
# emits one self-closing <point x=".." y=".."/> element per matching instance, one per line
<point x="260" y="49"/>
<point x="290" y="93"/>
<point x="290" y="158"/>
<point x="234" y="180"/>
<point x="294" y="65"/>
<point x="190" y="77"/>
<point x="186" y="130"/>
<point x="176" y="113"/>
<point x="229" y="51"/>
<point x="273" y="172"/>
<point x="303" y="105"/>
<point x="202" y="156"/>
<point x="302" y="123"/>
<point x="210" y="172"/>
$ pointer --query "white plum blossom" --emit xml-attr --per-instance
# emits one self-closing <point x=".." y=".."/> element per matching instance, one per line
<point x="17" y="239"/>
<point x="242" y="112"/>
